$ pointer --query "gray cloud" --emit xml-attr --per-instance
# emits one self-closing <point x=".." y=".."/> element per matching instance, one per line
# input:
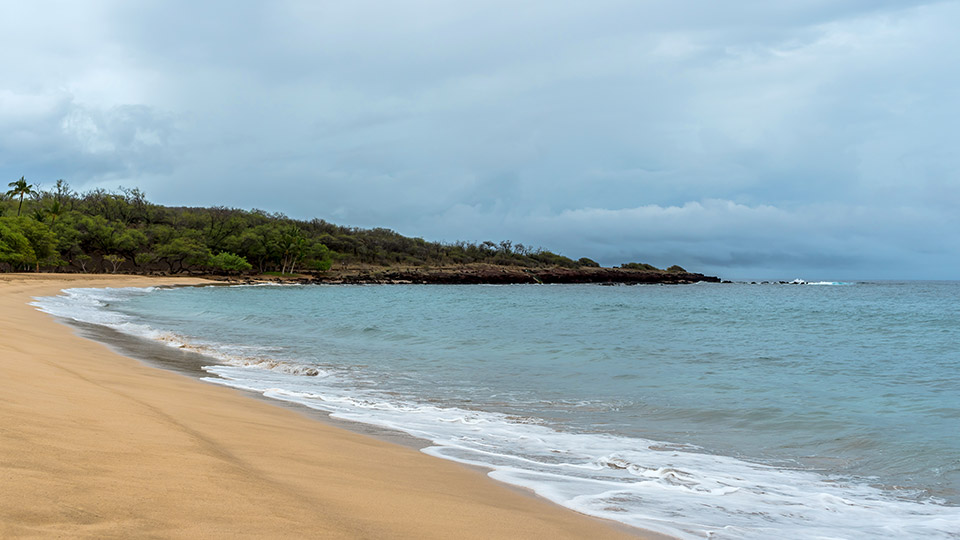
<point x="53" y="136"/>
<point x="748" y="139"/>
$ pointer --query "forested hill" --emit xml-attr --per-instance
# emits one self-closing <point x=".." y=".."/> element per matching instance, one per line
<point x="121" y="231"/>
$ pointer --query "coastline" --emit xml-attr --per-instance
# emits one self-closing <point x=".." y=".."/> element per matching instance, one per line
<point x="99" y="444"/>
<point x="481" y="274"/>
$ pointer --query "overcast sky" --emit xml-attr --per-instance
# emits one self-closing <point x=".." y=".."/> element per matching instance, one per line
<point x="746" y="139"/>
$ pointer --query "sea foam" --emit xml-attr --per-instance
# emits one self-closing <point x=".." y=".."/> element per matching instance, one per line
<point x="644" y="483"/>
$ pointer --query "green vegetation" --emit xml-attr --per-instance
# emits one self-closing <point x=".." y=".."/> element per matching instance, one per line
<point x="103" y="231"/>
<point x="20" y="188"/>
<point x="640" y="266"/>
<point x="229" y="262"/>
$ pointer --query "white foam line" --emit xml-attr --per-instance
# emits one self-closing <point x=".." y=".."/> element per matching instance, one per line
<point x="683" y="483"/>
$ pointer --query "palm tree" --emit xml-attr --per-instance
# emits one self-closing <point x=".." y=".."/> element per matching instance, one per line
<point x="56" y="210"/>
<point x="20" y="188"/>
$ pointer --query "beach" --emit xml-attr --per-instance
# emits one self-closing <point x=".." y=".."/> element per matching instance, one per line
<point x="95" y="444"/>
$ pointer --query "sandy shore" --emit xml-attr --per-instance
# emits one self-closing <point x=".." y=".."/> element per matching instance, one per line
<point x="95" y="444"/>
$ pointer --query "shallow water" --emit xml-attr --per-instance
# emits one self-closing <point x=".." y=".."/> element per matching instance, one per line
<point x="742" y="411"/>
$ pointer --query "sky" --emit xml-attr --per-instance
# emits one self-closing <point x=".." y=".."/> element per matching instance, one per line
<point x="748" y="139"/>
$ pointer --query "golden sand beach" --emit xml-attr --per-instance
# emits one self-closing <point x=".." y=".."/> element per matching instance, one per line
<point x="95" y="444"/>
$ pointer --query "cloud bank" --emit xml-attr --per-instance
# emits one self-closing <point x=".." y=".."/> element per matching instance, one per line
<point x="749" y="139"/>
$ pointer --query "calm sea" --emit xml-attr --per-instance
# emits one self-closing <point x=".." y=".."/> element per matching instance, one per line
<point x="737" y="411"/>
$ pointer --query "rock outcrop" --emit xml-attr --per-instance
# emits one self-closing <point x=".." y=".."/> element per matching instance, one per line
<point x="488" y="274"/>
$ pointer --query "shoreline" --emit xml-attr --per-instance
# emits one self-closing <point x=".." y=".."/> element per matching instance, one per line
<point x="488" y="274"/>
<point x="102" y="444"/>
<point x="189" y="364"/>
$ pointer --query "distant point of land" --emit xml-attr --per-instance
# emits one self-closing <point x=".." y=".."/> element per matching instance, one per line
<point x="481" y="273"/>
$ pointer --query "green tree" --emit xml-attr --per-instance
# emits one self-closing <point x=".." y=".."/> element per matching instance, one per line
<point x="110" y="236"/>
<point x="97" y="233"/>
<point x="55" y="211"/>
<point x="42" y="241"/>
<point x="20" y="188"/>
<point x="82" y="261"/>
<point x="229" y="262"/>
<point x="62" y="193"/>
<point x="115" y="261"/>
<point x="318" y="257"/>
<point x="130" y="241"/>
<point x="182" y="252"/>
<point x="260" y="244"/>
<point x="144" y="258"/>
<point x="293" y="247"/>
<point x="68" y="236"/>
<point x="15" y="249"/>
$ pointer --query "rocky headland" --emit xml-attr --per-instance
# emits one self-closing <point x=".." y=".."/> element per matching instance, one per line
<point x="488" y="274"/>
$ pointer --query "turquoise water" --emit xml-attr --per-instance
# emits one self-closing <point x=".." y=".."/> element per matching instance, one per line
<point x="742" y="411"/>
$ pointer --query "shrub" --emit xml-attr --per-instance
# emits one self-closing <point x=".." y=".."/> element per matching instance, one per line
<point x="229" y="262"/>
<point x="640" y="266"/>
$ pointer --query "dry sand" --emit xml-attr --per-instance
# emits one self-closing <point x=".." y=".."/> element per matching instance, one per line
<point x="95" y="444"/>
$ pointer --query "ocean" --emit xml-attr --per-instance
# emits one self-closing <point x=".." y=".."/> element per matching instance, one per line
<point x="827" y="410"/>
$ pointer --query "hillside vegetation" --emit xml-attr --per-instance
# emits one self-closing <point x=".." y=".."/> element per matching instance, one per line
<point x="121" y="231"/>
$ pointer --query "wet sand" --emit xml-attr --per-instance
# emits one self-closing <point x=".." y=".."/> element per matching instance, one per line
<point x="96" y="444"/>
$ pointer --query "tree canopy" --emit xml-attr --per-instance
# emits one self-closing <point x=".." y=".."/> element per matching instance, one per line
<point x="121" y="231"/>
